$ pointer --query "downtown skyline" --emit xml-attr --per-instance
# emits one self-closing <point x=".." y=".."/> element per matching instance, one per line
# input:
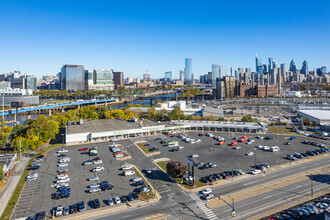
<point x="140" y="37"/>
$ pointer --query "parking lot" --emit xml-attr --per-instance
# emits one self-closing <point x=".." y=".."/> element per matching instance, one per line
<point x="36" y="195"/>
<point x="225" y="157"/>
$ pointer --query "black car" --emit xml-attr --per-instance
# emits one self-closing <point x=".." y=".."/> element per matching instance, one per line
<point x="294" y="215"/>
<point x="154" y="149"/>
<point x="316" y="152"/>
<point x="205" y="166"/>
<point x="175" y="149"/>
<point x="310" y="153"/>
<point x="210" y="178"/>
<point x="106" y="187"/>
<point x="217" y="175"/>
<point x="200" y="134"/>
<point x="139" y="183"/>
<point x="304" y="155"/>
<point x="40" y="157"/>
<point x="106" y="182"/>
<point x="41" y="216"/>
<point x="81" y="206"/>
<point x="135" y="195"/>
<point x="130" y="197"/>
<point x="204" y="180"/>
<point x="257" y="167"/>
<point x="268" y="138"/>
<point x="228" y="173"/>
<point x="147" y="144"/>
<point x="73" y="209"/>
<point x="96" y="204"/>
<point x="124" y="199"/>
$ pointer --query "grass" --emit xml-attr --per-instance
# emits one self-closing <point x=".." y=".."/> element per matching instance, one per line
<point x="19" y="188"/>
<point x="280" y="130"/>
<point x="162" y="164"/>
<point x="144" y="148"/>
<point x="186" y="185"/>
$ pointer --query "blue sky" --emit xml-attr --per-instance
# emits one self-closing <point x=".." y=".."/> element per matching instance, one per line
<point x="39" y="36"/>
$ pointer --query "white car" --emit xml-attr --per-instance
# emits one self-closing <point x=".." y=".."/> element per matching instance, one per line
<point x="33" y="175"/>
<point x="93" y="190"/>
<point x="110" y="202"/>
<point x="266" y="148"/>
<point x="207" y="196"/>
<point x="88" y="162"/>
<point x="97" y="162"/>
<point x="198" y="140"/>
<point x="63" y="151"/>
<point x="62" y="176"/>
<point x="127" y="168"/>
<point x="62" y="165"/>
<point x="59" y="210"/>
<point x="249" y="142"/>
<point x="63" y="180"/>
<point x="211" y="135"/>
<point x="194" y="155"/>
<point x="206" y="191"/>
<point x="260" y="147"/>
<point x="97" y="169"/>
<point x="148" y="171"/>
<point x="129" y="173"/>
<point x="135" y="179"/>
<point x="116" y="200"/>
<point x="249" y="153"/>
<point x="254" y="172"/>
<point x="181" y="147"/>
<point x="119" y="155"/>
<point x="61" y="185"/>
<point x="93" y="178"/>
<point x="94" y="185"/>
<point x="236" y="148"/>
<point x="38" y="160"/>
<point x="31" y="178"/>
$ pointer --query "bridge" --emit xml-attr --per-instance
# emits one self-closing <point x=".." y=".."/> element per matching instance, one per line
<point x="50" y="107"/>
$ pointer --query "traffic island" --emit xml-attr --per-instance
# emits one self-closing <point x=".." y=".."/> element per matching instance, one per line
<point x="145" y="150"/>
<point x="124" y="151"/>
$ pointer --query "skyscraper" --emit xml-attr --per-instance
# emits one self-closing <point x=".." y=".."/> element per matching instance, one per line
<point x="73" y="77"/>
<point x="216" y="73"/>
<point x="188" y="70"/>
<point x="258" y="65"/>
<point x="304" y="68"/>
<point x="181" y="74"/>
<point x="270" y="64"/>
<point x="293" y="67"/>
<point x="283" y="70"/>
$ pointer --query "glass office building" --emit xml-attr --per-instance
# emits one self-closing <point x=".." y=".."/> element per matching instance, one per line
<point x="73" y="77"/>
<point x="168" y="76"/>
<point x="103" y="76"/>
<point x="216" y="73"/>
<point x="30" y="82"/>
<point x="188" y="71"/>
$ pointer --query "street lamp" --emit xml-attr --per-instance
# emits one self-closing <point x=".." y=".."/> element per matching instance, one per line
<point x="312" y="188"/>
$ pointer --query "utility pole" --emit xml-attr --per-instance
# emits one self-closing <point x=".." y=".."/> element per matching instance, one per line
<point x="20" y="153"/>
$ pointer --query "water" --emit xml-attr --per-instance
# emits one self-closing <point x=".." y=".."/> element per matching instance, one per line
<point x="22" y="118"/>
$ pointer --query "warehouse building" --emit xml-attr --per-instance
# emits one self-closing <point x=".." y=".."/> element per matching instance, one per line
<point x="317" y="116"/>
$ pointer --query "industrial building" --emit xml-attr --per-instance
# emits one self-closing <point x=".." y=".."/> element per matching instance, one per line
<point x="317" y="116"/>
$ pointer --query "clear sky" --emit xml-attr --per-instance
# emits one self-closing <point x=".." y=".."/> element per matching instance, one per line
<point x="39" y="36"/>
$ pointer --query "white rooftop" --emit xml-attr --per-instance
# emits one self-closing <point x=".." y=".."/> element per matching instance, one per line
<point x="319" y="114"/>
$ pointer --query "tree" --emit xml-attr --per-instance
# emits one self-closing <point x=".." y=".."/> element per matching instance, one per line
<point x="176" y="169"/>
<point x="2" y="175"/>
<point x="175" y="114"/>
<point x="221" y="119"/>
<point x="307" y="121"/>
<point x="248" y="118"/>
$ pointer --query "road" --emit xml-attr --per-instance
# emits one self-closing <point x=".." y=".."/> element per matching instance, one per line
<point x="176" y="204"/>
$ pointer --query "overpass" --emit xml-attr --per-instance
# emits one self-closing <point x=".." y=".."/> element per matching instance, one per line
<point x="49" y="107"/>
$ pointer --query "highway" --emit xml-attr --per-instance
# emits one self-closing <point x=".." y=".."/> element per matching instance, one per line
<point x="176" y="204"/>
<point x="56" y="106"/>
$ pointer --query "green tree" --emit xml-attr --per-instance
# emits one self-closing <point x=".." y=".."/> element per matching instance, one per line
<point x="221" y="119"/>
<point x="2" y="175"/>
<point x="44" y="128"/>
<point x="176" y="169"/>
<point x="175" y="114"/>
<point x="248" y="118"/>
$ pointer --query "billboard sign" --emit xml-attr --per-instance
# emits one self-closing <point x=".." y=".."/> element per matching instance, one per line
<point x="191" y="171"/>
<point x="16" y="104"/>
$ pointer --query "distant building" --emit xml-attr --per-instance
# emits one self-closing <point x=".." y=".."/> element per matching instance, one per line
<point x="304" y="68"/>
<point x="118" y="78"/>
<point x="146" y="76"/>
<point x="283" y="72"/>
<point x="321" y="71"/>
<point x="168" y="76"/>
<point x="72" y="77"/>
<point x="225" y="87"/>
<point x="217" y="72"/>
<point x="181" y="74"/>
<point x="188" y="71"/>
<point x="293" y="67"/>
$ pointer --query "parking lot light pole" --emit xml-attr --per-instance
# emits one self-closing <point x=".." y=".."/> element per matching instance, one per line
<point x="255" y="157"/>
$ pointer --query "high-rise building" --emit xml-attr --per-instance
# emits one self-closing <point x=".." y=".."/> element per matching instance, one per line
<point x="201" y="79"/>
<point x="283" y="72"/>
<point x="168" y="76"/>
<point x="293" y="67"/>
<point x="321" y="71"/>
<point x="188" y="71"/>
<point x="102" y="80"/>
<point x="118" y="79"/>
<point x="146" y="76"/>
<point x="73" y="77"/>
<point x="217" y="72"/>
<point x="181" y="74"/>
<point x="270" y="64"/>
<point x="236" y="74"/>
<point x="259" y="66"/>
<point x="30" y="82"/>
<point x="304" y="68"/>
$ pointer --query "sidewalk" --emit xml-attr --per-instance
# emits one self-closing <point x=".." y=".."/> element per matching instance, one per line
<point x="12" y="183"/>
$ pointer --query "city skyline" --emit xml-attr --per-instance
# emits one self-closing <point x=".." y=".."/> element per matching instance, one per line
<point x="139" y="37"/>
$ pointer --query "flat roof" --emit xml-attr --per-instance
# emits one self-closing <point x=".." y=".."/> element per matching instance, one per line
<point x="103" y="125"/>
<point x="318" y="114"/>
<point x="223" y="124"/>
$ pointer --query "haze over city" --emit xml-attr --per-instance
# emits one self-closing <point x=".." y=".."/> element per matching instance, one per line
<point x="133" y="37"/>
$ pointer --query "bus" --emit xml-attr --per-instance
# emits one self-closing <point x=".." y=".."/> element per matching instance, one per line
<point x="173" y="144"/>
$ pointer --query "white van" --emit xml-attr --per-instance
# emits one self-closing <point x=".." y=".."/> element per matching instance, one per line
<point x="274" y="149"/>
<point x="62" y="177"/>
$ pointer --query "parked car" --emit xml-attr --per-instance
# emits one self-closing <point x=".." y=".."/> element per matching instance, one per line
<point x="135" y="179"/>
<point x="66" y="210"/>
<point x="93" y="190"/>
<point x="73" y="209"/>
<point x="94" y="185"/>
<point x="249" y="153"/>
<point x="59" y="211"/>
<point x="194" y="155"/>
<point x="96" y="204"/>
<point x="62" y="165"/>
<point x="110" y="202"/>
<point x="254" y="172"/>
<point x="81" y="206"/>
<point x="117" y="200"/>
<point x="93" y="178"/>
<point x="139" y="183"/>
<point x="98" y="169"/>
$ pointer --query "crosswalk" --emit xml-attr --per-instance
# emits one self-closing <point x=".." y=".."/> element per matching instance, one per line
<point x="208" y="212"/>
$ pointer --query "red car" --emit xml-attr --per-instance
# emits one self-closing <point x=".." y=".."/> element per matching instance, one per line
<point x="83" y="149"/>
<point x="233" y="143"/>
<point x="221" y="142"/>
<point x="64" y="172"/>
<point x="243" y="140"/>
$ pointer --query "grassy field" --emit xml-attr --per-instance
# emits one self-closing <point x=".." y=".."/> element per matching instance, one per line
<point x="144" y="148"/>
<point x="162" y="164"/>
<point x="280" y="130"/>
<point x="186" y="185"/>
